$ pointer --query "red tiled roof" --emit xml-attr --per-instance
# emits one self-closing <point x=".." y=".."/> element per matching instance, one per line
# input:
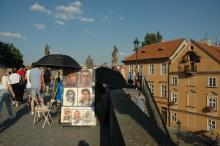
<point x="156" y="51"/>
<point x="213" y="51"/>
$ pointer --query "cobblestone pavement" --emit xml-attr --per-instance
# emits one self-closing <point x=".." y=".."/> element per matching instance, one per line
<point x="21" y="132"/>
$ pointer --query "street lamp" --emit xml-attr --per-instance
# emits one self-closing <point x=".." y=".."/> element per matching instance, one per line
<point x="178" y="124"/>
<point x="136" y="47"/>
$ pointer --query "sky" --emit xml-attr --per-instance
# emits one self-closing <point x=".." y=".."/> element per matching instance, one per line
<point x="92" y="27"/>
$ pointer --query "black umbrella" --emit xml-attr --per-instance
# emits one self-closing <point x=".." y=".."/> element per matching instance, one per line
<point x="111" y="77"/>
<point x="58" y="61"/>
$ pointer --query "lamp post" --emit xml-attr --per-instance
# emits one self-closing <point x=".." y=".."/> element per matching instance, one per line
<point x="178" y="124"/>
<point x="136" y="47"/>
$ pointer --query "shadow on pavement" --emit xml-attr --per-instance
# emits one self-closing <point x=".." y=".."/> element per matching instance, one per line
<point x="148" y="123"/>
<point x="83" y="143"/>
<point x="8" y="122"/>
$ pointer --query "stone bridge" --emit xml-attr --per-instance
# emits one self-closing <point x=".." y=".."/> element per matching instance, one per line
<point x="125" y="124"/>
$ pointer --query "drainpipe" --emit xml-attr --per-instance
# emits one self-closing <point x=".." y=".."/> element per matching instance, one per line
<point x="168" y="87"/>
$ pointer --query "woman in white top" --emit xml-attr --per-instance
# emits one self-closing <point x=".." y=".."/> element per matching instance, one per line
<point x="6" y="92"/>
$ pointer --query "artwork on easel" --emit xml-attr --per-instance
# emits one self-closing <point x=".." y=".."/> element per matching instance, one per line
<point x="88" y="117"/>
<point x="83" y="116"/>
<point x="71" y="80"/>
<point x="76" y="117"/>
<point x="85" y="78"/>
<point x="69" y="97"/>
<point x="85" y="97"/>
<point x="66" y="115"/>
<point x="78" y="97"/>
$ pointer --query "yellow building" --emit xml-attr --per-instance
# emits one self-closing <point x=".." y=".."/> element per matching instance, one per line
<point x="184" y="78"/>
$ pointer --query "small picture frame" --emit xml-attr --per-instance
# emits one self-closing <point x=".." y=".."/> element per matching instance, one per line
<point x="88" y="117"/>
<point x="85" y="97"/>
<point x="71" y="80"/>
<point x="66" y="113"/>
<point x="76" y="117"/>
<point x="85" y="78"/>
<point x="70" y="97"/>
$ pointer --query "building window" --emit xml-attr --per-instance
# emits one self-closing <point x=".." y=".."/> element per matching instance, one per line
<point x="211" y="125"/>
<point x="151" y="86"/>
<point x="163" y="69"/>
<point x="163" y="91"/>
<point x="151" y="69"/>
<point x="131" y="69"/>
<point x="173" y="117"/>
<point x="140" y="68"/>
<point x="212" y="102"/>
<point x="212" y="82"/>
<point x="174" y="80"/>
<point x="174" y="97"/>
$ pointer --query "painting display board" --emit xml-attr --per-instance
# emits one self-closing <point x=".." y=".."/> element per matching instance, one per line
<point x="78" y="99"/>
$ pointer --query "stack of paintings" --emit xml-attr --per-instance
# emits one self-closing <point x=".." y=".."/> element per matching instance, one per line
<point x="78" y="99"/>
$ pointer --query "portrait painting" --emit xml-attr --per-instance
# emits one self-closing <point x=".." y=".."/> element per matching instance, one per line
<point x="66" y="115"/>
<point x="85" y="78"/>
<point x="85" y="97"/>
<point x="88" y="117"/>
<point x="76" y="117"/>
<point x="69" y="97"/>
<point x="71" y="80"/>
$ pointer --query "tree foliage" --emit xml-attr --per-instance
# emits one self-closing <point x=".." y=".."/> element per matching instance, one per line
<point x="152" y="38"/>
<point x="10" y="55"/>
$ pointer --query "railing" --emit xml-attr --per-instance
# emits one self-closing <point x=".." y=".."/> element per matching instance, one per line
<point x="187" y="69"/>
<point x="208" y="109"/>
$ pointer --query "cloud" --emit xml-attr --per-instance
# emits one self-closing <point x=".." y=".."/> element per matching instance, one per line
<point x="121" y="18"/>
<point x="11" y="34"/>
<point x="40" y="26"/>
<point x="60" y="22"/>
<point x="68" y="12"/>
<point x="39" y="8"/>
<point x="63" y="13"/>
<point x="84" y="19"/>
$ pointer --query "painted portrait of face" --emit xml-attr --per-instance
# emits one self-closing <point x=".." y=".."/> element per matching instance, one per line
<point x="67" y="115"/>
<point x="71" y="80"/>
<point x="85" y="98"/>
<point x="76" y="116"/>
<point x="70" y="96"/>
<point x="85" y="78"/>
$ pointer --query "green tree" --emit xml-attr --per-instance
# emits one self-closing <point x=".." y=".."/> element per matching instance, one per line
<point x="10" y="55"/>
<point x="152" y="38"/>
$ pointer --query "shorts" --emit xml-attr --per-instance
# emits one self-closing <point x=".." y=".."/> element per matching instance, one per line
<point x="28" y="91"/>
<point x="35" y="92"/>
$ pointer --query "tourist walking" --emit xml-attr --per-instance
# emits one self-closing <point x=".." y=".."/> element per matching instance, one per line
<point x="6" y="93"/>
<point x="21" y="86"/>
<point x="28" y="86"/>
<point x="14" y="80"/>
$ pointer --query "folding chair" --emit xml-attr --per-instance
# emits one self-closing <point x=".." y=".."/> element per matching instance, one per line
<point x="45" y="111"/>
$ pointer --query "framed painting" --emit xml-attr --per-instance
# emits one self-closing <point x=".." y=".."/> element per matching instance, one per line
<point x="70" y="97"/>
<point x="85" y="97"/>
<point x="66" y="115"/>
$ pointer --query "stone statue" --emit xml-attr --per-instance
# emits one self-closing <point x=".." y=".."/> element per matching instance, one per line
<point x="46" y="50"/>
<point x="115" y="56"/>
<point x="89" y="62"/>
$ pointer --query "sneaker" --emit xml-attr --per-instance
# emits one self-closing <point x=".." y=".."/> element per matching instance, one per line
<point x="12" y="116"/>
